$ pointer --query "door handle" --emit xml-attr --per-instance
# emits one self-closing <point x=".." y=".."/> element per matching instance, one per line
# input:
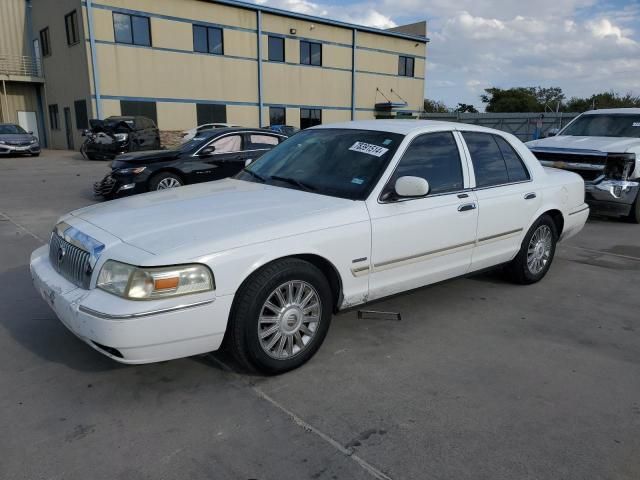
<point x="466" y="207"/>
<point x="463" y="195"/>
<point x="530" y="196"/>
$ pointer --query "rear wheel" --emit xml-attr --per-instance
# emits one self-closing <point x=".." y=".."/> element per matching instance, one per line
<point x="280" y="317"/>
<point x="536" y="253"/>
<point x="165" y="180"/>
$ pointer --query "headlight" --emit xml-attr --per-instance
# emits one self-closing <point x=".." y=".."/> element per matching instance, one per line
<point x="2" y="142"/>
<point x="34" y="140"/>
<point x="121" y="137"/>
<point x="149" y="283"/>
<point x="133" y="171"/>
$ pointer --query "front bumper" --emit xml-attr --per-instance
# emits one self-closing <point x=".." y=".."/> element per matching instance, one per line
<point x="115" y="186"/>
<point x="106" y="151"/>
<point x="133" y="331"/>
<point x="30" y="149"/>
<point x="611" y="197"/>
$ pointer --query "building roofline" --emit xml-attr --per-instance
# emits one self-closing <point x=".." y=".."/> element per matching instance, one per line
<point x="311" y="18"/>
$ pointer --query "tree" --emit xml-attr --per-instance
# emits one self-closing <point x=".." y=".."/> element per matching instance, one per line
<point x="466" y="108"/>
<point x="434" y="106"/>
<point x="602" y="100"/>
<point x="515" y="100"/>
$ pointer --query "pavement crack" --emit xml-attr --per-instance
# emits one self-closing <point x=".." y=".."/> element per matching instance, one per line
<point x="348" y="452"/>
<point x="7" y="218"/>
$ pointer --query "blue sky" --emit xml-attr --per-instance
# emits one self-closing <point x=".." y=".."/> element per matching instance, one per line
<point x="583" y="46"/>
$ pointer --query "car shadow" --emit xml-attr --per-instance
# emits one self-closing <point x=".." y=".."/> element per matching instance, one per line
<point x="35" y="327"/>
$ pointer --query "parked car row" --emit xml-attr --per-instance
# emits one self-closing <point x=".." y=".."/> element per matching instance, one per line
<point x="334" y="217"/>
<point x="14" y="140"/>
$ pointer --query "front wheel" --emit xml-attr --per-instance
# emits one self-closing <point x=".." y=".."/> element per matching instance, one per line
<point x="280" y="317"/>
<point x="536" y="253"/>
<point x="165" y="180"/>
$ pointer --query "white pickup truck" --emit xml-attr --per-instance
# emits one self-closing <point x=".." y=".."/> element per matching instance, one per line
<point x="602" y="146"/>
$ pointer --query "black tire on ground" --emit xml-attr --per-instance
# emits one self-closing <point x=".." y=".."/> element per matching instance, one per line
<point x="91" y="156"/>
<point x="156" y="181"/>
<point x="35" y="154"/>
<point x="634" y="215"/>
<point x="519" y="269"/>
<point x="242" y="335"/>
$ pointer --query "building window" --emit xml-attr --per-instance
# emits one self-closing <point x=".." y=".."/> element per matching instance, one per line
<point x="405" y="66"/>
<point x="130" y="108"/>
<point x="277" y="116"/>
<point x="211" y="113"/>
<point x="310" y="53"/>
<point x="44" y="42"/>
<point x="82" y="119"/>
<point x="276" y="49"/>
<point x="54" y="117"/>
<point x="310" y="117"/>
<point x="132" y="29"/>
<point x="207" y="40"/>
<point x="71" y="26"/>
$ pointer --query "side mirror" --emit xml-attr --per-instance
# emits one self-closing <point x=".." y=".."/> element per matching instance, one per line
<point x="30" y="132"/>
<point x="553" y="132"/>
<point x="411" y="187"/>
<point x="207" y="151"/>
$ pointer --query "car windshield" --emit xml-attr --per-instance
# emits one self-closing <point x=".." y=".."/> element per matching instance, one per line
<point x="344" y="163"/>
<point x="605" y="125"/>
<point x="11" y="130"/>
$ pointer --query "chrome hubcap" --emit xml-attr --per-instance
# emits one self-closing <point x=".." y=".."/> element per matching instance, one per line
<point x="168" y="183"/>
<point x="289" y="319"/>
<point x="539" y="251"/>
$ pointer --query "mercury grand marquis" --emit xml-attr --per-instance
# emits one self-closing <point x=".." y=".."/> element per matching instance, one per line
<point x="334" y="217"/>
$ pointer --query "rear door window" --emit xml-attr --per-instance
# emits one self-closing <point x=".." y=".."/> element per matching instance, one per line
<point x="488" y="164"/>
<point x="515" y="166"/>
<point x="262" y="141"/>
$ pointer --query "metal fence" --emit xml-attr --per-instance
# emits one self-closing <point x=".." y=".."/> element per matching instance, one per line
<point x="525" y="126"/>
<point x="20" y="65"/>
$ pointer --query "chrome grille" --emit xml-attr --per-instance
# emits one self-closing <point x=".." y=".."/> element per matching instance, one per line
<point x="70" y="261"/>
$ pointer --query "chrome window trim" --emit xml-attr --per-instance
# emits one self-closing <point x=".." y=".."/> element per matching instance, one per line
<point x="108" y="316"/>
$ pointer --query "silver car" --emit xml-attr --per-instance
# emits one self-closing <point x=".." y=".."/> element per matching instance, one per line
<point x="15" y="140"/>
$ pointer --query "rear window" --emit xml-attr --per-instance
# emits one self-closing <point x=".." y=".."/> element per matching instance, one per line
<point x="515" y="166"/>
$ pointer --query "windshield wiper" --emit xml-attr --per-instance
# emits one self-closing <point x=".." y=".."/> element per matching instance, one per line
<point x="293" y="181"/>
<point x="255" y="175"/>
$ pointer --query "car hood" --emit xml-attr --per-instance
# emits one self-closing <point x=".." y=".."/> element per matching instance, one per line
<point x="216" y="216"/>
<point x="148" y="156"/>
<point x="16" y="137"/>
<point x="601" y="144"/>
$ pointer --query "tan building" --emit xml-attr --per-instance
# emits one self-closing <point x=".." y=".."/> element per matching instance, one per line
<point x="188" y="62"/>
<point x="21" y="80"/>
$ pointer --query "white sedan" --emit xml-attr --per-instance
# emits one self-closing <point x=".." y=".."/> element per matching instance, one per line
<point x="334" y="217"/>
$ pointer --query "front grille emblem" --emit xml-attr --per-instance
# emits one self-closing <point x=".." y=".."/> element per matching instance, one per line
<point x="61" y="254"/>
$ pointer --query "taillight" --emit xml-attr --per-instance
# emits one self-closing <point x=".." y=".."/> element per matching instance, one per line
<point x="619" y="166"/>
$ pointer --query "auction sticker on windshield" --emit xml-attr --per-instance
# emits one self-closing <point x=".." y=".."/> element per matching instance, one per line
<point x="368" y="148"/>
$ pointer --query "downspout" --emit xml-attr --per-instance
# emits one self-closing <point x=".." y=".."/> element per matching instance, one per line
<point x="94" y="66"/>
<point x="260" y="104"/>
<point x="6" y="102"/>
<point x="353" y="74"/>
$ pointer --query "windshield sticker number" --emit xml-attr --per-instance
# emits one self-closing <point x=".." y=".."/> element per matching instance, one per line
<point x="369" y="149"/>
<point x="357" y="181"/>
<point x="636" y="124"/>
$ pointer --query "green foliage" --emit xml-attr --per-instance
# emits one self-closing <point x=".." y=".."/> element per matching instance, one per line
<point x="466" y="108"/>
<point x="433" y="106"/>
<point x="603" y="100"/>
<point x="540" y="99"/>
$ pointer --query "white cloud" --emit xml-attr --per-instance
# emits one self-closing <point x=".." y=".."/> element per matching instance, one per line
<point x="583" y="46"/>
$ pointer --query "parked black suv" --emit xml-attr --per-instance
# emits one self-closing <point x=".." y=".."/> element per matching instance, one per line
<point x="211" y="155"/>
<point x="115" y="135"/>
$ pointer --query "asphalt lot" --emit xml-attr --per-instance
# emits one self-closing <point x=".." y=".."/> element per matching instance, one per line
<point x="480" y="380"/>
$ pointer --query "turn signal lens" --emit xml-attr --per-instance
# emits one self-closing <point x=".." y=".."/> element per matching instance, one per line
<point x="147" y="283"/>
